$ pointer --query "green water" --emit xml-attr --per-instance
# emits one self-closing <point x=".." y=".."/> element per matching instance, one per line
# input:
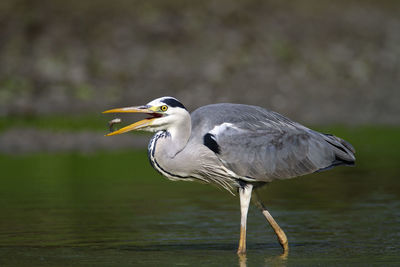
<point x="113" y="209"/>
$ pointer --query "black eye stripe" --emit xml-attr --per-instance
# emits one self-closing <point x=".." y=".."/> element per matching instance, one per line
<point x="173" y="103"/>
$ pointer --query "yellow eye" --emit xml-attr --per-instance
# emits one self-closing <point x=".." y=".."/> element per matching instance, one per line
<point x="164" y="108"/>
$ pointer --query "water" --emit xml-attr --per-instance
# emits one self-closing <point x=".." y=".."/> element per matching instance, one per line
<point x="112" y="209"/>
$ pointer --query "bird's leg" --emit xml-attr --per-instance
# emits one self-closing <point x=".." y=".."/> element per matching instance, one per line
<point x="278" y="231"/>
<point x="245" y="196"/>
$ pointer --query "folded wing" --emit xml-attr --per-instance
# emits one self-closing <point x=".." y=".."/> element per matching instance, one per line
<point x="264" y="145"/>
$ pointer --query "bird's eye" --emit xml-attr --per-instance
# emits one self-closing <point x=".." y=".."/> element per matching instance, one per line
<point x="164" y="108"/>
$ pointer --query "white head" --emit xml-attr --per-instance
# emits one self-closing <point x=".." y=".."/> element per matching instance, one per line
<point x="167" y="113"/>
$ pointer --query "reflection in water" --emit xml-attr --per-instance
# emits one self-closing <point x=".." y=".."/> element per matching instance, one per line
<point x="242" y="260"/>
<point x="269" y="261"/>
<point x="277" y="260"/>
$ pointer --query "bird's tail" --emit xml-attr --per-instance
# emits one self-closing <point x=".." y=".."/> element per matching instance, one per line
<point x="344" y="151"/>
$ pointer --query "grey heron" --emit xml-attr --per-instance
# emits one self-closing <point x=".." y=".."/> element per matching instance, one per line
<point x="238" y="147"/>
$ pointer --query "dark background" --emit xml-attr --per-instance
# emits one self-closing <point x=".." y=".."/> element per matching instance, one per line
<point x="318" y="62"/>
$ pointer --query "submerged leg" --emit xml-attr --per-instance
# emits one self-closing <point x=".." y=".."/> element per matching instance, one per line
<point x="245" y="196"/>
<point x="278" y="231"/>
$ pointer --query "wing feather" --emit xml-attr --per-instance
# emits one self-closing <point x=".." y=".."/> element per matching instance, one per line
<point x="264" y="145"/>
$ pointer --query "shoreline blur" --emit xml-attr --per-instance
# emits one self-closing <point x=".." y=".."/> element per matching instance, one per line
<point x="317" y="62"/>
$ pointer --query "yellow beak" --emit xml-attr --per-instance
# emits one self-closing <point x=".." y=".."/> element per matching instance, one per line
<point x="136" y="125"/>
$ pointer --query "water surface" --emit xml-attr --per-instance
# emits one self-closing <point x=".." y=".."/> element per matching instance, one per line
<point x="112" y="209"/>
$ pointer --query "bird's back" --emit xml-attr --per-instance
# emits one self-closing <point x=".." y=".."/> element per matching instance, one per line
<point x="263" y="145"/>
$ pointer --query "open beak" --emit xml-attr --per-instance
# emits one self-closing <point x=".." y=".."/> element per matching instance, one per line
<point x="137" y="125"/>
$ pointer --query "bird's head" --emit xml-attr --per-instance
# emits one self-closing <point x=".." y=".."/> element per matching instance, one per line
<point x="165" y="112"/>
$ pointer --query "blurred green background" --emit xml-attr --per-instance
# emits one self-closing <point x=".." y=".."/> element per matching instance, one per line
<point x="70" y="196"/>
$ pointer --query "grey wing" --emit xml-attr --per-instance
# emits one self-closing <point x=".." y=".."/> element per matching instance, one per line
<point x="265" y="146"/>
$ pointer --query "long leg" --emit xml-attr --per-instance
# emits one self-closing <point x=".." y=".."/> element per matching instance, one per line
<point x="278" y="231"/>
<point x="245" y="196"/>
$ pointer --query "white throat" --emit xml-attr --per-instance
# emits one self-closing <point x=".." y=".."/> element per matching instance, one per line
<point x="178" y="136"/>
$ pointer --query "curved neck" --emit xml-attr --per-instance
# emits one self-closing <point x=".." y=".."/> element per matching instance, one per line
<point x="168" y="142"/>
<point x="176" y="138"/>
<point x="166" y="145"/>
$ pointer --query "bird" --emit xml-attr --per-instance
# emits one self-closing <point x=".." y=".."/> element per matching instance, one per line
<point x="235" y="146"/>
